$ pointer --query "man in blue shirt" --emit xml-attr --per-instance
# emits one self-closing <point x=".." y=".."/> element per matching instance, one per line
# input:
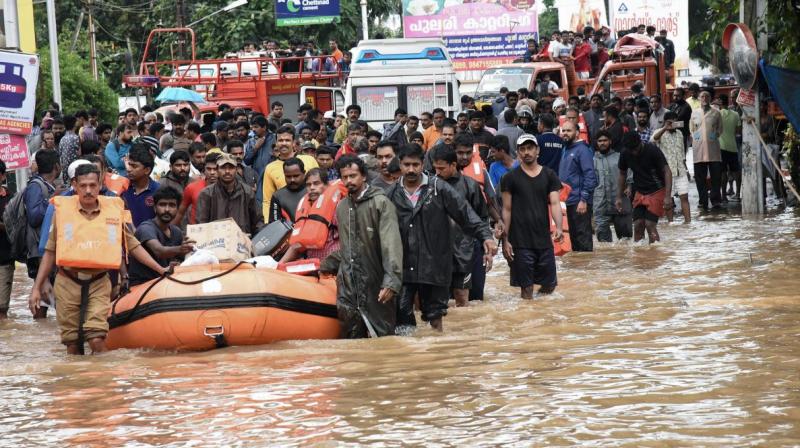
<point x="503" y="162"/>
<point x="258" y="151"/>
<point x="577" y="170"/>
<point x="550" y="145"/>
<point x="139" y="195"/>
<point x="118" y="149"/>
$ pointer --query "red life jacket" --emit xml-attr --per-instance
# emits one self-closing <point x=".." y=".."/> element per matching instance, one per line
<point x="313" y="220"/>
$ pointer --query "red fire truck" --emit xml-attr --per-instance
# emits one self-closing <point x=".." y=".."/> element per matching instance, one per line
<point x="249" y="81"/>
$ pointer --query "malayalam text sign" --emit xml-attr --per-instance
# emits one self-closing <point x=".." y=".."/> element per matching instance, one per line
<point x="670" y="15"/>
<point x="14" y="151"/>
<point x="19" y="73"/>
<point x="474" y="32"/>
<point x="306" y="12"/>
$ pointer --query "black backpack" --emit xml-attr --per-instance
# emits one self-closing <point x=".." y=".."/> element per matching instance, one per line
<point x="15" y="219"/>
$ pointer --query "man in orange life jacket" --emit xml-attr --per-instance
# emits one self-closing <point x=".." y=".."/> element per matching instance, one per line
<point x="82" y="287"/>
<point x="316" y="185"/>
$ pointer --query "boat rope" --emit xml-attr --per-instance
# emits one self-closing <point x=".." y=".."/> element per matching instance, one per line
<point x="168" y="275"/>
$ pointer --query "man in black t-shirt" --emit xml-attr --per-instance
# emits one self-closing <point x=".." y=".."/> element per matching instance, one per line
<point x="527" y="191"/>
<point x="652" y="184"/>
<point x="161" y="239"/>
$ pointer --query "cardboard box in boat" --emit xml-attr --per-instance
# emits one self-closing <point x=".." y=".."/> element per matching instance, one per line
<point x="223" y="238"/>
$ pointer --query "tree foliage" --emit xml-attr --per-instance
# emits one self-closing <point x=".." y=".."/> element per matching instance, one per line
<point x="712" y="16"/>
<point x="120" y="22"/>
<point x="78" y="89"/>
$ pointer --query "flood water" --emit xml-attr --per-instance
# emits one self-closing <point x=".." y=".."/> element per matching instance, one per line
<point x="693" y="342"/>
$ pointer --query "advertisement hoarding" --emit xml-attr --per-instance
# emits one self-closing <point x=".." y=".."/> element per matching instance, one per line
<point x="477" y="35"/>
<point x="575" y="15"/>
<point x="306" y="12"/>
<point x="19" y="73"/>
<point x="670" y="15"/>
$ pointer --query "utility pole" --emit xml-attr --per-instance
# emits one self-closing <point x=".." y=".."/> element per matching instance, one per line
<point x="752" y="167"/>
<point x="92" y="42"/>
<point x="53" y="41"/>
<point x="364" y="20"/>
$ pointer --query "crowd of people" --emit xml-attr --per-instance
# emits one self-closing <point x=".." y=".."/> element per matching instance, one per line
<point x="427" y="198"/>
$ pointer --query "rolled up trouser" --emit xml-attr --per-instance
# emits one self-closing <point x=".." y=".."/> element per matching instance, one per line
<point x="68" y="303"/>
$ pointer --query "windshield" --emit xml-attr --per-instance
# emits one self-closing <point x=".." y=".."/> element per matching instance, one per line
<point x="512" y="78"/>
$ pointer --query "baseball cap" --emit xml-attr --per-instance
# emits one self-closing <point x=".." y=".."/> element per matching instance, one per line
<point x="329" y="115"/>
<point x="524" y="138"/>
<point x="221" y="126"/>
<point x="558" y="103"/>
<point x="308" y="145"/>
<point x="226" y="159"/>
<point x="74" y="166"/>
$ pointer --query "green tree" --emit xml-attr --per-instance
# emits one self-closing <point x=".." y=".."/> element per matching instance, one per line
<point x="712" y="16"/>
<point x="548" y="21"/>
<point x="78" y="89"/>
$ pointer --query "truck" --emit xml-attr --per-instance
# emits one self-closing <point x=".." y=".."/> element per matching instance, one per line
<point x="248" y="81"/>
<point x="385" y="74"/>
<point x="634" y="59"/>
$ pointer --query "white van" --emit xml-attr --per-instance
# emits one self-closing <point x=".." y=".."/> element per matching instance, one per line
<point x="414" y="74"/>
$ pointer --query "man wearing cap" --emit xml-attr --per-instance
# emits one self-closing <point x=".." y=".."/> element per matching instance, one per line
<point x="229" y="198"/>
<point x="529" y="192"/>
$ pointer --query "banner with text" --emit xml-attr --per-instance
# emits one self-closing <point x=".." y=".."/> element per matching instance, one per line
<point x="670" y="15"/>
<point x="575" y="15"/>
<point x="477" y="35"/>
<point x="306" y="12"/>
<point x="19" y="73"/>
<point x="14" y="151"/>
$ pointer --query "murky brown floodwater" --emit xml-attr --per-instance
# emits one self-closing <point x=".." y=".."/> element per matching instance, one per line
<point x="688" y="343"/>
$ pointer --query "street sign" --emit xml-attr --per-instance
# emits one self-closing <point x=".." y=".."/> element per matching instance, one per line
<point x="306" y="12"/>
<point x="14" y="151"/>
<point x="746" y="98"/>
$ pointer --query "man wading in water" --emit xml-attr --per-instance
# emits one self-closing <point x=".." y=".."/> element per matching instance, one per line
<point x="368" y="263"/>
<point x="527" y="191"/>
<point x="86" y="241"/>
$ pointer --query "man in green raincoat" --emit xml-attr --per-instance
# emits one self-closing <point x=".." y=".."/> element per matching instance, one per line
<point x="369" y="262"/>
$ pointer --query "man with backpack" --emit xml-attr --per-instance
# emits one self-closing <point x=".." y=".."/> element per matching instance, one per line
<point x="6" y="260"/>
<point x="35" y="197"/>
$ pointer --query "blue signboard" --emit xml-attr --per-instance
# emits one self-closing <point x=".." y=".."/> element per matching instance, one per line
<point x="306" y="12"/>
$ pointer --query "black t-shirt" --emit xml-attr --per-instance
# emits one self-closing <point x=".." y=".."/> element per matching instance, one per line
<point x="148" y="230"/>
<point x="647" y="166"/>
<point x="5" y="245"/>
<point x="530" y="222"/>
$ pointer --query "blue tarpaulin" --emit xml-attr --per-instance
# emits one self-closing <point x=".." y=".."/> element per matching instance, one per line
<point x="783" y="83"/>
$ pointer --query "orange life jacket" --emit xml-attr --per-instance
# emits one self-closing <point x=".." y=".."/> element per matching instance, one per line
<point x="89" y="243"/>
<point x="565" y="245"/>
<point x="313" y="220"/>
<point x="116" y="183"/>
<point x="475" y="168"/>
<point x="583" y="130"/>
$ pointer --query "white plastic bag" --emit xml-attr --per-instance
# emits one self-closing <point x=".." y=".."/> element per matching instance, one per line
<point x="199" y="258"/>
<point x="263" y="262"/>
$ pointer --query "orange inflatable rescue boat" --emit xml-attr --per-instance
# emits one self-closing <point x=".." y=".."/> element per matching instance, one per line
<point x="206" y="307"/>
